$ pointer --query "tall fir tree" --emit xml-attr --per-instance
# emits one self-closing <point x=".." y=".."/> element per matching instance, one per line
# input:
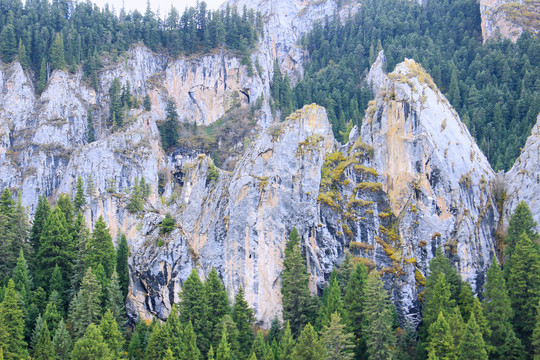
<point x="287" y="344"/>
<point x="115" y="300"/>
<point x="21" y="278"/>
<point x="333" y="304"/>
<point x="62" y="342"/>
<point x="122" y="268"/>
<point x="43" y="210"/>
<point x="193" y="308"/>
<point x="439" y="300"/>
<point x="86" y="306"/>
<point x="217" y="304"/>
<point x="456" y="327"/>
<point x="90" y="131"/>
<point x="44" y="348"/>
<point x="243" y="316"/>
<point x="337" y="342"/>
<point x="192" y="351"/>
<point x="353" y="305"/>
<point x="227" y="324"/>
<point x="298" y="305"/>
<point x="524" y="288"/>
<point x="380" y="336"/>
<point x="308" y="346"/>
<point x="472" y="346"/>
<point x="158" y="343"/>
<point x="8" y="50"/>
<point x="440" y="340"/>
<point x="79" y="201"/>
<point x="12" y="325"/>
<point x="259" y="346"/>
<point x="139" y="341"/>
<point x="58" y="60"/>
<point x="224" y="350"/>
<point x="100" y="249"/>
<point x="176" y="333"/>
<point x="91" y="346"/>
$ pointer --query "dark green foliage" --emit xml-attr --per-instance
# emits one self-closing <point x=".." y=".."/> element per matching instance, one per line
<point x="44" y="348"/>
<point x="167" y="225"/>
<point x="57" y="284"/>
<point x="192" y="351"/>
<point x="115" y="300"/>
<point x="40" y="217"/>
<point x="90" y="132"/>
<point x="175" y="332"/>
<point x="438" y="301"/>
<point x="456" y="327"/>
<point x="122" y="268"/>
<point x="332" y="304"/>
<point x="378" y="315"/>
<point x="275" y="331"/>
<point x="12" y="325"/>
<point x="139" y="341"/>
<point x="91" y="346"/>
<point x="193" y="308"/>
<point x="308" y="346"/>
<point x="242" y="316"/>
<point x="79" y="200"/>
<point x="115" y="107"/>
<point x="472" y="346"/>
<point x="100" y="248"/>
<point x="227" y="324"/>
<point x="217" y="304"/>
<point x="169" y="128"/>
<point x="85" y="308"/>
<point x="147" y="103"/>
<point x="520" y="222"/>
<point x="58" y="60"/>
<point x="8" y="49"/>
<point x="298" y="305"/>
<point x="62" y="342"/>
<point x="21" y="278"/>
<point x="524" y="288"/>
<point x="440" y="340"/>
<point x="159" y="343"/>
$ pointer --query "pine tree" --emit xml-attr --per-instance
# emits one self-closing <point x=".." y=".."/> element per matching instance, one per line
<point x="111" y="334"/>
<point x="353" y="305"/>
<point x="38" y="326"/>
<point x="56" y="248"/>
<point x="210" y="355"/>
<point x="175" y="332"/>
<point x="224" y="350"/>
<point x="193" y="307"/>
<point x="308" y="346"/>
<point x="333" y="303"/>
<point x="472" y="346"/>
<point x="524" y="287"/>
<point x="58" y="60"/>
<point x="8" y="50"/>
<point x="456" y="327"/>
<point x="62" y="342"/>
<point x="243" y="316"/>
<point x="287" y="344"/>
<point x="521" y="221"/>
<point x="454" y="95"/>
<point x="169" y="129"/>
<point x="12" y="325"/>
<point x="466" y="300"/>
<point x="21" y="278"/>
<point x="100" y="248"/>
<point x="79" y="266"/>
<point x="380" y="337"/>
<point x="440" y="339"/>
<point x="139" y="340"/>
<point x="192" y="351"/>
<point x="91" y="346"/>
<point x="122" y="268"/>
<point x="115" y="116"/>
<point x="337" y="341"/>
<point x="135" y="204"/>
<point x="115" y="300"/>
<point x="44" y="348"/>
<point x="345" y="270"/>
<point x="90" y="132"/>
<point x="43" y="210"/>
<point x="298" y="306"/>
<point x="217" y="302"/>
<point x="159" y="343"/>
<point x="43" y="75"/>
<point x="52" y="316"/>
<point x="147" y="103"/>
<point x="438" y="300"/>
<point x="227" y="324"/>
<point x="22" y="55"/>
<point x="169" y="355"/>
<point x="259" y="346"/>
<point x="57" y="284"/>
<point x="79" y="200"/>
<point x="86" y="306"/>
<point x="481" y="321"/>
<point x="275" y="331"/>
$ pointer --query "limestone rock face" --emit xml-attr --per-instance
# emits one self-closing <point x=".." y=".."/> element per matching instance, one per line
<point x="522" y="182"/>
<point x="508" y="19"/>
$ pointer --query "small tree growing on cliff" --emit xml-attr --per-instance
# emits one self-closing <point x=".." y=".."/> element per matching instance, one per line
<point x="169" y="129"/>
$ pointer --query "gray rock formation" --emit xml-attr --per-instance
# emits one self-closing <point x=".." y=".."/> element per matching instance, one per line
<point x="507" y="19"/>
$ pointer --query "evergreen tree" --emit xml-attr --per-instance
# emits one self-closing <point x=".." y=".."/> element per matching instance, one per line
<point x="275" y="331"/>
<point x="115" y="300"/>
<point x="224" y="350"/>
<point x="466" y="300"/>
<point x="22" y="55"/>
<point x="169" y="128"/>
<point x="333" y="303"/>
<point x="147" y="103"/>
<point x="135" y="204"/>
<point x="38" y="326"/>
<point x="62" y="342"/>
<point x="12" y="325"/>
<point x="86" y="306"/>
<point x="56" y="248"/>
<point x="58" y="60"/>
<point x="175" y="333"/>
<point x="337" y="342"/>
<point x="193" y="307"/>
<point x="167" y="225"/>
<point x="217" y="302"/>
<point x="472" y="346"/>
<point x="440" y="339"/>
<point x="122" y="267"/>
<point x="438" y="300"/>
<point x="100" y="248"/>
<point x="111" y="334"/>
<point x="57" y="284"/>
<point x="227" y="324"/>
<point x="453" y="93"/>
<point x="380" y="337"/>
<point x="21" y="278"/>
<point x="79" y="200"/>
<point x="169" y="355"/>
<point x="259" y="346"/>
<point x="90" y="132"/>
<point x="52" y="316"/>
<point x="308" y="346"/>
<point x="43" y="75"/>
<point x="345" y="270"/>
<point x="43" y="210"/>
<point x="456" y="327"/>
<point x="520" y="222"/>
<point x="44" y="348"/>
<point x="287" y="344"/>
<point x="79" y="266"/>
<point x="91" y="346"/>
<point x="210" y="355"/>
<point x="8" y="50"/>
<point x="353" y="305"/>
<point x="524" y="287"/>
<point x="115" y="108"/>
<point x="159" y="343"/>
<point x="243" y="316"/>
<point x="139" y="341"/>
<point x="192" y="351"/>
<point x="298" y="306"/>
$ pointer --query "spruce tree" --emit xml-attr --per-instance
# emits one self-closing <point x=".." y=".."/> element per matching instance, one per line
<point x="223" y="351"/>
<point x="193" y="308"/>
<point x="115" y="300"/>
<point x="227" y="324"/>
<point x="380" y="337"/>
<point x="298" y="306"/>
<point x="79" y="201"/>
<point x="440" y="340"/>
<point x="159" y="343"/>
<point x="36" y="332"/>
<point x="8" y="50"/>
<point x="336" y="340"/>
<point x="456" y="327"/>
<point x="308" y="346"/>
<point x="333" y="303"/>
<point x="210" y="355"/>
<point x="192" y="351"/>
<point x="91" y="346"/>
<point x="287" y="344"/>
<point x="58" y="60"/>
<point x="65" y="204"/>
<point x="217" y="303"/>
<point x="86" y="306"/>
<point x="524" y="287"/>
<point x="79" y="265"/>
<point x="175" y="333"/>
<point x="90" y="132"/>
<point x="138" y="341"/>
<point x="521" y="221"/>
<point x="57" y="284"/>
<point x="353" y="307"/>
<point x="345" y="270"/>
<point x="43" y="210"/>
<point x="438" y="300"/>
<point x="259" y="346"/>
<point x="43" y="76"/>
<point x="472" y="346"/>
<point x="62" y="342"/>
<point x="100" y="249"/>
<point x="21" y="278"/>
<point x="52" y="316"/>
<point x="275" y="331"/>
<point x="243" y="316"/>
<point x="169" y="355"/>
<point x="147" y="103"/>
<point x="111" y="334"/>
<point x="44" y="348"/>
<point x="122" y="268"/>
<point x="535" y="341"/>
<point x="22" y="55"/>
<point x="12" y="325"/>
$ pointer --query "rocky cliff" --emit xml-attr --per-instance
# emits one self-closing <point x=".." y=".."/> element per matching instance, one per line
<point x="509" y="19"/>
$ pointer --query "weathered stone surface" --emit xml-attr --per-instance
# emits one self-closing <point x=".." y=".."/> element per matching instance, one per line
<point x="506" y="19"/>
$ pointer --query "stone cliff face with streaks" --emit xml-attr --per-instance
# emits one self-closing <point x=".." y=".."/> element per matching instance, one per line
<point x="509" y="19"/>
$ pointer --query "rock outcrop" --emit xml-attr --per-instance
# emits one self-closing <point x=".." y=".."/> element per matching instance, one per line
<point x="509" y="19"/>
